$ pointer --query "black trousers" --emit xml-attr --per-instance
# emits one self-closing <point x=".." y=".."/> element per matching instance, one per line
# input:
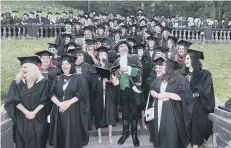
<point x="128" y="103"/>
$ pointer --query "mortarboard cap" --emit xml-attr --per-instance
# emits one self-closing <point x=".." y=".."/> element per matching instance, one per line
<point x="197" y="53"/>
<point x="69" y="58"/>
<point x="64" y="12"/>
<point x="15" y="11"/>
<point x="44" y="53"/>
<point x="90" y="42"/>
<point x="102" y="49"/>
<point x="173" y="38"/>
<point x="29" y="59"/>
<point x="159" y="60"/>
<point x="71" y="43"/>
<point x="124" y="26"/>
<point x="122" y="41"/>
<point x="131" y="39"/>
<point x="68" y="23"/>
<point x="52" y="45"/>
<point x="151" y="37"/>
<point x="139" y="46"/>
<point x="67" y="35"/>
<point x="106" y="73"/>
<point x="184" y="42"/>
<point x="79" y="35"/>
<point x="75" y="51"/>
<point x="101" y="27"/>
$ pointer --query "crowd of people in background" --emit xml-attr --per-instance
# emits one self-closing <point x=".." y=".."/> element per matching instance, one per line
<point x="102" y="65"/>
<point x="58" y="18"/>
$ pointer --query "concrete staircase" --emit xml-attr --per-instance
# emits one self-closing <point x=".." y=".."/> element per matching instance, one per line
<point x="143" y="136"/>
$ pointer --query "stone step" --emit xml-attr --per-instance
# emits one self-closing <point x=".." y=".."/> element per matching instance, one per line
<point x="222" y="113"/>
<point x="144" y="142"/>
<point x="221" y="121"/>
<point x="93" y="143"/>
<point x="117" y="130"/>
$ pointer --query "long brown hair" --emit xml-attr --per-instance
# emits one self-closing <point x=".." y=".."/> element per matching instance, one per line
<point x="169" y="75"/>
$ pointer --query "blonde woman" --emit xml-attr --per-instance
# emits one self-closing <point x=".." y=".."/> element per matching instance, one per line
<point x="26" y="105"/>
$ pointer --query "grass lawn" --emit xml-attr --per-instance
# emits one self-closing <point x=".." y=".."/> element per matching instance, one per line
<point x="217" y="61"/>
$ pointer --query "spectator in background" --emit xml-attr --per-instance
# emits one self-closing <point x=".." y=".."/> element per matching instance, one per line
<point x="40" y="19"/>
<point x="3" y="19"/>
<point x="25" y="18"/>
<point x="15" y="19"/>
<point x="31" y="19"/>
<point x="222" y="24"/>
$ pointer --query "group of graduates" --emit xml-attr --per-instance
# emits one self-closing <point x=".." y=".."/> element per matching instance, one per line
<point x="92" y="72"/>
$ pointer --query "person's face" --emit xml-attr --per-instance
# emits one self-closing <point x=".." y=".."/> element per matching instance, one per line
<point x="111" y="24"/>
<point x="24" y="70"/>
<point x="140" y="52"/>
<point x="102" y="56"/>
<point x="188" y="61"/>
<point x="25" y="16"/>
<point x="77" y="26"/>
<point x="123" y="49"/>
<point x="45" y="61"/>
<point x="68" y="28"/>
<point x="80" y="58"/>
<point x="66" y="67"/>
<point x="169" y="44"/>
<point x="165" y="33"/>
<point x="91" y="47"/>
<point x="151" y="43"/>
<point x="101" y="31"/>
<point x="158" y="54"/>
<point x="53" y="50"/>
<point x="123" y="30"/>
<point x="158" y="69"/>
<point x="117" y="37"/>
<point x="181" y="50"/>
<point x="87" y="33"/>
<point x="79" y="41"/>
<point x="133" y="29"/>
<point x="89" y="21"/>
<point x="98" y="44"/>
<point x="67" y="40"/>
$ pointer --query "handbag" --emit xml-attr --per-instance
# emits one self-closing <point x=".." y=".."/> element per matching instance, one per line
<point x="149" y="113"/>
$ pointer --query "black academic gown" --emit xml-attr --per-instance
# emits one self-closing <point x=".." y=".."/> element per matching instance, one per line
<point x="104" y="116"/>
<point x="148" y="65"/>
<point x="203" y="105"/>
<point x="86" y="71"/>
<point x="28" y="133"/>
<point x="175" y="116"/>
<point x="70" y="128"/>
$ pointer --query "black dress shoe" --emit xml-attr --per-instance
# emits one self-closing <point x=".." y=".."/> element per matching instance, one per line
<point x="125" y="132"/>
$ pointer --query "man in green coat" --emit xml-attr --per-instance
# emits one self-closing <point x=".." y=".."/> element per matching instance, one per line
<point x="131" y="70"/>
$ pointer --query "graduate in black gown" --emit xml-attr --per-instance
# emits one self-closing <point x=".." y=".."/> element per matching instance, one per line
<point x="84" y="69"/>
<point x="69" y="116"/>
<point x="157" y="72"/>
<point x="52" y="47"/>
<point x="172" y="108"/>
<point x="139" y="50"/>
<point x="105" y="96"/>
<point x="26" y="105"/>
<point x="203" y="97"/>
